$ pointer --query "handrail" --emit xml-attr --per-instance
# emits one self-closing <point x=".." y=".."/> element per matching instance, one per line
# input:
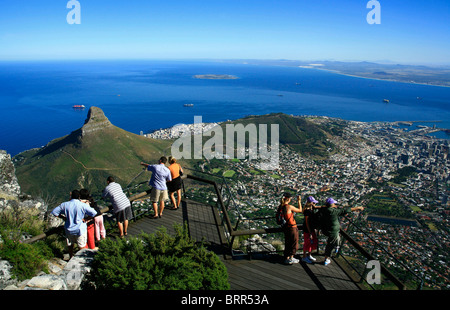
<point x="57" y="230"/>
<point x="369" y="256"/>
<point x="233" y="231"/>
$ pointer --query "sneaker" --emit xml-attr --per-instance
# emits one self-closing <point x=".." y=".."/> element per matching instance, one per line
<point x="327" y="262"/>
<point x="311" y="258"/>
<point x="307" y="260"/>
<point x="288" y="262"/>
<point x="294" y="260"/>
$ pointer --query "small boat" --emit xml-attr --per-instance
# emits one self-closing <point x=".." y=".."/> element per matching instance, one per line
<point x="188" y="105"/>
<point x="386" y="100"/>
<point x="78" y="106"/>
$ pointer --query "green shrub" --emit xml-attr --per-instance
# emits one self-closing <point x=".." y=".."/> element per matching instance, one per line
<point x="26" y="259"/>
<point x="157" y="262"/>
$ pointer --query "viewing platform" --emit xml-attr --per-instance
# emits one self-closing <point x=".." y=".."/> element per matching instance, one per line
<point x="266" y="272"/>
<point x="263" y="268"/>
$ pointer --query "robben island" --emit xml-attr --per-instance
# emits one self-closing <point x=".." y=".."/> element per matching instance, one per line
<point x="399" y="175"/>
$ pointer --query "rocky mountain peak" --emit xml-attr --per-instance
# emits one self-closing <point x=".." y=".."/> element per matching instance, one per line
<point x="96" y="120"/>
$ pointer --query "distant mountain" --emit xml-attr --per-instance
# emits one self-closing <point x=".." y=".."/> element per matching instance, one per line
<point x="85" y="158"/>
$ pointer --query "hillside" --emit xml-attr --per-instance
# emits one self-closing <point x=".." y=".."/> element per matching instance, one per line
<point x="85" y="158"/>
<point x="302" y="134"/>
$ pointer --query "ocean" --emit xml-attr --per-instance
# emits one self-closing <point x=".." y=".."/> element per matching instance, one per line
<point x="36" y="97"/>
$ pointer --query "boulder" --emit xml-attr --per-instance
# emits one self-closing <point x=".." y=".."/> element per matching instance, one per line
<point x="47" y="282"/>
<point x="5" y="275"/>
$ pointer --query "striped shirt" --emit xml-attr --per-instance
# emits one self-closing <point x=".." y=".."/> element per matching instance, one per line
<point x="116" y="196"/>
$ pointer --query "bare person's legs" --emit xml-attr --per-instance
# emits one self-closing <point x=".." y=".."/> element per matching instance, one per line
<point x="161" y="207"/>
<point x="155" y="209"/>
<point x="70" y="248"/>
<point x="179" y="197"/>
<point x="172" y="198"/>
<point x="120" y="228"/>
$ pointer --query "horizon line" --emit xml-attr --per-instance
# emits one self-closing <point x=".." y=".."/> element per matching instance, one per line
<point x="380" y="62"/>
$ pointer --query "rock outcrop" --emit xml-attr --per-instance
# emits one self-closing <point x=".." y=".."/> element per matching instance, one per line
<point x="9" y="186"/>
<point x="62" y="275"/>
<point x="96" y="120"/>
<point x="11" y="197"/>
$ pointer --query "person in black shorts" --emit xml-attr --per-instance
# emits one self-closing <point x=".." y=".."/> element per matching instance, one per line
<point x="174" y="186"/>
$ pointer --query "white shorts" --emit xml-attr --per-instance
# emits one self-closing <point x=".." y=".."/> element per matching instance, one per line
<point x="79" y="240"/>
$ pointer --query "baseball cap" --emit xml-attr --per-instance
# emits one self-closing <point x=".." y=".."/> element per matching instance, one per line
<point x="330" y="201"/>
<point x="311" y="199"/>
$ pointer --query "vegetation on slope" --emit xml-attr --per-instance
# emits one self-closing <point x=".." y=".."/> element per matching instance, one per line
<point x="157" y="262"/>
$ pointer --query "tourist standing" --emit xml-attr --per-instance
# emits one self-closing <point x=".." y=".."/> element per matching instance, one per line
<point x="290" y="229"/>
<point x="120" y="202"/>
<point x="74" y="213"/>
<point x="309" y="231"/>
<point x="174" y="186"/>
<point x="160" y="175"/>
<point x="330" y="225"/>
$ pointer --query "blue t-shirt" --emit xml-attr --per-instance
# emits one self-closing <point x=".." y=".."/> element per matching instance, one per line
<point x="74" y="211"/>
<point x="160" y="175"/>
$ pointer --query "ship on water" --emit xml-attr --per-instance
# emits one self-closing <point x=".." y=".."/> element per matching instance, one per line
<point x="188" y="105"/>
<point x="78" y="106"/>
<point x="386" y="100"/>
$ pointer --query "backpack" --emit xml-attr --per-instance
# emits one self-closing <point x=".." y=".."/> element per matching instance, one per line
<point x="315" y="219"/>
<point x="279" y="216"/>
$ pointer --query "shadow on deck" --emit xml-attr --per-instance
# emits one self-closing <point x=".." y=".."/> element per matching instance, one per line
<point x="266" y="272"/>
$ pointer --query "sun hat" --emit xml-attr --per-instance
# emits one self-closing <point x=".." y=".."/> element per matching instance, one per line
<point x="311" y="199"/>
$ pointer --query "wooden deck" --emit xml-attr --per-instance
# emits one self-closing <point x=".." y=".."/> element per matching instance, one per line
<point x="265" y="273"/>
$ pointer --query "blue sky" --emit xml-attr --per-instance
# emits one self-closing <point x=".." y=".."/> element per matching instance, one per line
<point x="410" y="31"/>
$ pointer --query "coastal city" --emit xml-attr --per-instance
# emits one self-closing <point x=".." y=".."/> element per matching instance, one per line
<point x="398" y="173"/>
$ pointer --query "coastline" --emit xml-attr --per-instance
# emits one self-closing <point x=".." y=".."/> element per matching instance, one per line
<point x="370" y="78"/>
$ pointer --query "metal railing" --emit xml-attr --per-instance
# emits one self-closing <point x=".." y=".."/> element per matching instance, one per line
<point x="369" y="255"/>
<point x="234" y="232"/>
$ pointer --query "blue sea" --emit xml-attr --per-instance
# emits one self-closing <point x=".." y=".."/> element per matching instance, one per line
<point x="36" y="98"/>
